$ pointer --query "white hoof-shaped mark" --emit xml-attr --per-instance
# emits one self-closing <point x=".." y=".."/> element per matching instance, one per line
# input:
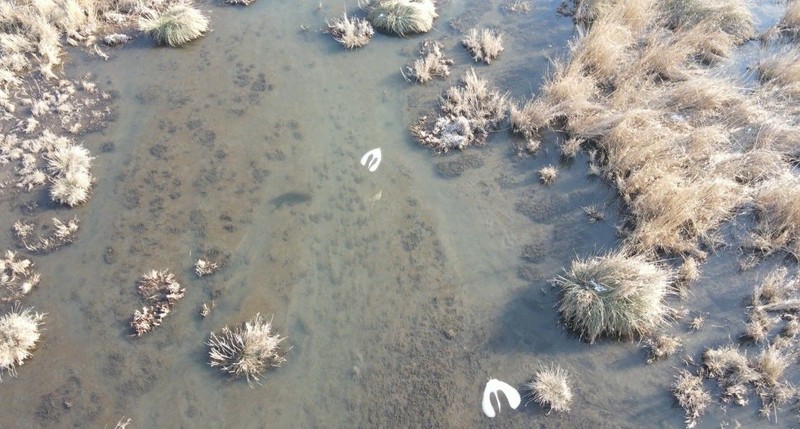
<point x="493" y="386"/>
<point x="372" y="159"/>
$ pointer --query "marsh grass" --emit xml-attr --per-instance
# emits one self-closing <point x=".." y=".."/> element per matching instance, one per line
<point x="431" y="64"/>
<point x="614" y="295"/>
<point x="548" y="174"/>
<point x="352" y="32"/>
<point x="467" y="114"/>
<point x="17" y="277"/>
<point x="61" y="234"/>
<point x="730" y="366"/>
<point x="551" y="388"/>
<point x="19" y="335"/>
<point x="484" y="45"/>
<point x="400" y="17"/>
<point x="246" y="350"/>
<point x="661" y="347"/>
<point x="176" y="26"/>
<point x="691" y="395"/>
<point x="161" y="291"/>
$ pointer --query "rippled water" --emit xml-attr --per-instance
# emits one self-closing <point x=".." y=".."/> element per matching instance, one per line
<point x="247" y="143"/>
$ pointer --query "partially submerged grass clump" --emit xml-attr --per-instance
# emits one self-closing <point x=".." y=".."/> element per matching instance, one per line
<point x="248" y="349"/>
<point x="733" y="373"/>
<point x="162" y="291"/>
<point x="548" y="174"/>
<point x="484" y="45"/>
<point x="17" y="277"/>
<point x="551" y="388"/>
<point x="614" y="295"/>
<point x="431" y="64"/>
<point x="661" y="347"/>
<point x="69" y="166"/>
<point x="401" y="17"/>
<point x="19" y="333"/>
<point x="241" y="2"/>
<point x="691" y="395"/>
<point x="176" y="26"/>
<point x="352" y="33"/>
<point x="62" y="234"/>
<point x="468" y="113"/>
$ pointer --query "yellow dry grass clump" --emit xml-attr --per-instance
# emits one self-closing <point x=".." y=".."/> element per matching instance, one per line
<point x="351" y="32"/>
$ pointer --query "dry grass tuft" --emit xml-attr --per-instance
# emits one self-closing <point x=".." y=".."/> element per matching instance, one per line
<point x="731" y="16"/>
<point x="691" y="396"/>
<point x="432" y="63"/>
<point x="730" y="367"/>
<point x="162" y="291"/>
<point x="17" y="277"/>
<point x="614" y="295"/>
<point x="401" y="17"/>
<point x="484" y="45"/>
<point x="661" y="347"/>
<point x="248" y="349"/>
<point x="176" y="26"/>
<point x="772" y="390"/>
<point x="241" y="2"/>
<point x="351" y="32"/>
<point x="19" y="333"/>
<point x="551" y="388"/>
<point x="777" y="205"/>
<point x="61" y="234"/>
<point x="548" y="175"/>
<point x="469" y="112"/>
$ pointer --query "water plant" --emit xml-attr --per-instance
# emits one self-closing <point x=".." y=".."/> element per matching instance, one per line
<point x="177" y="25"/>
<point x="19" y="333"/>
<point x="246" y="350"/>
<point x="691" y="395"/>
<point x="661" y="347"/>
<point x="484" y="45"/>
<point x="614" y="295"/>
<point x="431" y="64"/>
<point x="548" y="174"/>
<point x="161" y="291"/>
<point x="732" y="370"/>
<point x="467" y="114"/>
<point x="551" y="388"/>
<point x="350" y="32"/>
<point x="17" y="277"/>
<point x="401" y="17"/>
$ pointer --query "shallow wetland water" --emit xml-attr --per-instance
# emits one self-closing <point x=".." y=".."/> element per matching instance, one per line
<point x="398" y="310"/>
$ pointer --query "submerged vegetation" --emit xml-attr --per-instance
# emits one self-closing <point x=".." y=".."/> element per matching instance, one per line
<point x="176" y="26"/>
<point x="614" y="295"/>
<point x="19" y="333"/>
<point x="246" y="350"/>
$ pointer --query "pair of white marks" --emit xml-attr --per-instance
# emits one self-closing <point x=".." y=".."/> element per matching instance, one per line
<point x="372" y="159"/>
<point x="493" y="386"/>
